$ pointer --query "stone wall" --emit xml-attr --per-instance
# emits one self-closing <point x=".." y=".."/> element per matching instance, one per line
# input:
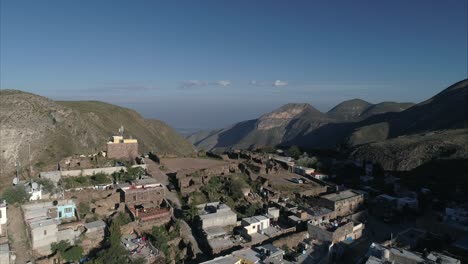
<point x="134" y="197"/>
<point x="123" y="151"/>
<point x="349" y="206"/>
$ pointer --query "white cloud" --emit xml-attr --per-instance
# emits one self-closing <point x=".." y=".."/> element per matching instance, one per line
<point x="193" y="83"/>
<point x="224" y="83"/>
<point x="279" y="83"/>
<point x="201" y="83"/>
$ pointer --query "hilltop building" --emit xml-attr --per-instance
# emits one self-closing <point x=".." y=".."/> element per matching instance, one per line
<point x="122" y="149"/>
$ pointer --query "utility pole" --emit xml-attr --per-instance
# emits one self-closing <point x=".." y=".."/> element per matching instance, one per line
<point x="30" y="165"/>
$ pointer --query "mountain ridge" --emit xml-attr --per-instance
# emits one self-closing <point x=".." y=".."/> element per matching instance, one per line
<point x="56" y="129"/>
<point x="350" y="127"/>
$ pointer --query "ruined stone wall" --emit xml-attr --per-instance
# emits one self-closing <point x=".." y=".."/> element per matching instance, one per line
<point x="142" y="196"/>
<point x="336" y="236"/>
<point x="122" y="151"/>
<point x="349" y="206"/>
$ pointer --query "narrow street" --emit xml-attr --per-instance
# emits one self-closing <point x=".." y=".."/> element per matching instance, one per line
<point x="19" y="242"/>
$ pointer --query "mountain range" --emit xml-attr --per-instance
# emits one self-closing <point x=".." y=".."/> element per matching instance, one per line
<point x="368" y="131"/>
<point x="56" y="129"/>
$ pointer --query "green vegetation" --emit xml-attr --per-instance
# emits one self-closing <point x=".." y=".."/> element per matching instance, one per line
<point x="130" y="175"/>
<point x="191" y="212"/>
<point x="114" y="253"/>
<point x="84" y="181"/>
<point x="15" y="195"/>
<point x="47" y="185"/>
<point x="294" y="152"/>
<point x="66" y="251"/>
<point x="123" y="218"/>
<point x="161" y="235"/>
<point x="83" y="209"/>
<point x="307" y="162"/>
<point x="226" y="189"/>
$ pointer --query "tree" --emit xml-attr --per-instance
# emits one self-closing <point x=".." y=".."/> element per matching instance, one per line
<point x="294" y="152"/>
<point x="60" y="248"/>
<point x="15" y="195"/>
<point x="307" y="162"/>
<point x="161" y="238"/>
<point x="73" y="254"/>
<point x="47" y="185"/>
<point x="115" y="253"/>
<point x="191" y="212"/>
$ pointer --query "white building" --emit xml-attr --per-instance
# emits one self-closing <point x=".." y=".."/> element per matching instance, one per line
<point x="255" y="224"/>
<point x="216" y="214"/>
<point x="3" y="216"/>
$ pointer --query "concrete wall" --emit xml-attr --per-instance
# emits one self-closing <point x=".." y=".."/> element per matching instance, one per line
<point x="43" y="236"/>
<point x="69" y="235"/>
<point x="91" y="172"/>
<point x="222" y="219"/>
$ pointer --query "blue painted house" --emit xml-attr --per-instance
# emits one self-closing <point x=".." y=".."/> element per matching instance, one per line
<point x="66" y="209"/>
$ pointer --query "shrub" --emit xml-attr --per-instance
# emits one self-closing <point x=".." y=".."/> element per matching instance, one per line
<point x="83" y="209"/>
<point x="15" y="195"/>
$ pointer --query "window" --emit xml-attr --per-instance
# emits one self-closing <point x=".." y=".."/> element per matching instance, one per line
<point x="134" y="198"/>
<point x="1" y="216"/>
<point x="68" y="210"/>
<point x="45" y="232"/>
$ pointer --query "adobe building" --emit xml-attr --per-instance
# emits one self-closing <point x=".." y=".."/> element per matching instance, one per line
<point x="123" y="149"/>
<point x="144" y="201"/>
<point x="343" y="203"/>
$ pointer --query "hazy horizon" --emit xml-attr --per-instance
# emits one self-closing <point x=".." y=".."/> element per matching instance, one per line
<point x="208" y="64"/>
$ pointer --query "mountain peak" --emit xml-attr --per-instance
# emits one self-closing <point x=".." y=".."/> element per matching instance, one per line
<point x="349" y="110"/>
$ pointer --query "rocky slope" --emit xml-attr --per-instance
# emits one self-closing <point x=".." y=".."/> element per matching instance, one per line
<point x="58" y="129"/>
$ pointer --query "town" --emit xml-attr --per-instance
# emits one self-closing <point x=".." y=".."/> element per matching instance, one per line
<point x="270" y="205"/>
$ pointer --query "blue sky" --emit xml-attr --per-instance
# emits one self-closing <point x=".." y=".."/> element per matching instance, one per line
<point x="208" y="64"/>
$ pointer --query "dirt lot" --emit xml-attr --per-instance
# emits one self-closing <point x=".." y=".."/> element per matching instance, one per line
<point x="176" y="164"/>
<point x="102" y="202"/>
<point x="282" y="182"/>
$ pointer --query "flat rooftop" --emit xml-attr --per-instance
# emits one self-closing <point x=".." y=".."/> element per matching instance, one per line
<point x="318" y="211"/>
<point x="254" y="219"/>
<point x="340" y="195"/>
<point x="46" y="222"/>
<point x="211" y="210"/>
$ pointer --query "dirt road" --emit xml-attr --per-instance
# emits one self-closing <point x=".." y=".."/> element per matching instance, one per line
<point x="19" y="241"/>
